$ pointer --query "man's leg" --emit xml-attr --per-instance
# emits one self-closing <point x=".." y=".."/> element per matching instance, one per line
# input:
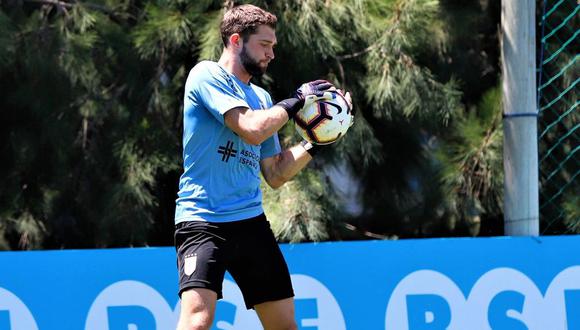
<point x="277" y="315"/>
<point x="259" y="269"/>
<point x="200" y="263"/>
<point x="197" y="309"/>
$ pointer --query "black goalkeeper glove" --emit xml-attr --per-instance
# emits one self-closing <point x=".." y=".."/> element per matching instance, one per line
<point x="317" y="88"/>
<point x="293" y="104"/>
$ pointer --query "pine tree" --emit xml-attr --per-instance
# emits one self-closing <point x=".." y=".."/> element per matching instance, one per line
<point x="88" y="136"/>
<point x="91" y="118"/>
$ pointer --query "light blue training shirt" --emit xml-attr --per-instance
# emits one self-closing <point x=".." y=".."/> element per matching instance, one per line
<point x="221" y="177"/>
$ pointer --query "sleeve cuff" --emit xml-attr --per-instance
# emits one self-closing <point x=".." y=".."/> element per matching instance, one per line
<point x="310" y="148"/>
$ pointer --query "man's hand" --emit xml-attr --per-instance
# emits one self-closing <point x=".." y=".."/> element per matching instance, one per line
<point x="349" y="101"/>
<point x="310" y="92"/>
<point x="316" y="88"/>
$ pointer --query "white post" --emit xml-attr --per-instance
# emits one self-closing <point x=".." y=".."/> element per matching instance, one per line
<point x="518" y="55"/>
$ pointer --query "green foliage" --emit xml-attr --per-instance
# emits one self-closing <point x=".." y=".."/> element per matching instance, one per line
<point x="210" y="39"/>
<point x="572" y="212"/>
<point x="298" y="211"/>
<point x="162" y="28"/>
<point x="86" y="153"/>
<point x="8" y="44"/>
<point x="91" y="118"/>
<point x="472" y="160"/>
<point x="394" y="82"/>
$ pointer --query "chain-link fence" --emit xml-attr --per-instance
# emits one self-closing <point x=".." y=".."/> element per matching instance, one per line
<point x="558" y="117"/>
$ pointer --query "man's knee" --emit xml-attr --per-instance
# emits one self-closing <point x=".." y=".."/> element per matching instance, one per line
<point x="197" y="309"/>
<point x="292" y="326"/>
<point x="197" y="321"/>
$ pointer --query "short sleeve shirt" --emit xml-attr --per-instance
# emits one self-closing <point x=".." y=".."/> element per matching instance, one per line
<point x="221" y="174"/>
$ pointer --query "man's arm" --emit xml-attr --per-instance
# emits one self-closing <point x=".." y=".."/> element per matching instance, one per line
<point x="255" y="126"/>
<point x="282" y="167"/>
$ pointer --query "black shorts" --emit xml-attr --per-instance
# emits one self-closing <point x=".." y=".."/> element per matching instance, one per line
<point x="247" y="249"/>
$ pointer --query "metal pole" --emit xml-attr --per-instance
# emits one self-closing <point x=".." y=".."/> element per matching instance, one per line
<point x="518" y="54"/>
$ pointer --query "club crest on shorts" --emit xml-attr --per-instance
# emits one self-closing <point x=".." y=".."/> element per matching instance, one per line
<point x="189" y="264"/>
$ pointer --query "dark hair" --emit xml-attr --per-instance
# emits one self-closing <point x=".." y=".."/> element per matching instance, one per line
<point x="244" y="20"/>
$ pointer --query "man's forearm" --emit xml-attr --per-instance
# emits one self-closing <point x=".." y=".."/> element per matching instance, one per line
<point x="255" y="126"/>
<point x="293" y="160"/>
<point x="286" y="165"/>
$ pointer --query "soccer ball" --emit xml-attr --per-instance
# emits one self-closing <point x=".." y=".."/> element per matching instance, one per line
<point x="325" y="120"/>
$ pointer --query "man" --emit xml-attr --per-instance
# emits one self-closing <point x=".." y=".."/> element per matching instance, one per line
<point x="230" y="137"/>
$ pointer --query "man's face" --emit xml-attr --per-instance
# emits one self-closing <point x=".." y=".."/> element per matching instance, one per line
<point x="258" y="50"/>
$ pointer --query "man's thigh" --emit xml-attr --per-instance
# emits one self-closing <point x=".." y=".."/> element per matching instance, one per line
<point x="258" y="266"/>
<point x="201" y="256"/>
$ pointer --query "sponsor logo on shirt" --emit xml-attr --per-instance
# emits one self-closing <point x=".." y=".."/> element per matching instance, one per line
<point x="227" y="151"/>
<point x="245" y="157"/>
<point x="249" y="158"/>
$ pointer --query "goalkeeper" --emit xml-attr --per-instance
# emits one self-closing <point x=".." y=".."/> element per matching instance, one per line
<point x="229" y="137"/>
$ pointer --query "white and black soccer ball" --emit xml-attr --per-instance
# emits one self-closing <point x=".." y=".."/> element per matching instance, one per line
<point x="325" y="120"/>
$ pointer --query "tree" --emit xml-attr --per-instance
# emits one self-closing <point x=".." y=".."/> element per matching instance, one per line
<point x="86" y="135"/>
<point x="91" y="122"/>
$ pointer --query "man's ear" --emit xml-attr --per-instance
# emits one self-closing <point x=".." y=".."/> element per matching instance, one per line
<point x="236" y="40"/>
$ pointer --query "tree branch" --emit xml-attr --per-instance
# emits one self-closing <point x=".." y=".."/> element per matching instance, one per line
<point x="365" y="232"/>
<point x="64" y="5"/>
<point x="396" y="23"/>
<point x="359" y="53"/>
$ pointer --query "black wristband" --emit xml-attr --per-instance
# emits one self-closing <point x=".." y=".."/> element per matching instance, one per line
<point x="312" y="149"/>
<point x="291" y="105"/>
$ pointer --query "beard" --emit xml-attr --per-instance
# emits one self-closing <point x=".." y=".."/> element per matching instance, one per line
<point x="251" y="65"/>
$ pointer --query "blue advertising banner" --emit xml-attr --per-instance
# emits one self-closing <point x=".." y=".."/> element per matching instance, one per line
<point x="455" y="284"/>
